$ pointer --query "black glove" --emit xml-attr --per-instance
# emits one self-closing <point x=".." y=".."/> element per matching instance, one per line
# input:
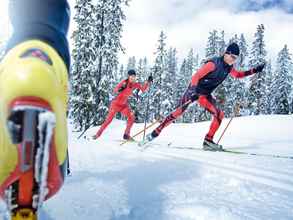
<point x="259" y="68"/>
<point x="150" y="79"/>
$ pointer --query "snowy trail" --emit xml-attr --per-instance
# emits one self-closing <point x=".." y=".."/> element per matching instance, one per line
<point x="175" y="182"/>
<point x="262" y="176"/>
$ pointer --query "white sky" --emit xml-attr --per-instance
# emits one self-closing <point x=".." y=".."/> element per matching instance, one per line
<point x="188" y="22"/>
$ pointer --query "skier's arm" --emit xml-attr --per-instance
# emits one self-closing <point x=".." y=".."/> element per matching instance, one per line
<point x="202" y="72"/>
<point x="120" y="86"/>
<point x="241" y="74"/>
<point x="141" y="87"/>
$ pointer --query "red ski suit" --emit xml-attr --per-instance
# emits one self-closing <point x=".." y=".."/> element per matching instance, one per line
<point x="204" y="97"/>
<point x="120" y="104"/>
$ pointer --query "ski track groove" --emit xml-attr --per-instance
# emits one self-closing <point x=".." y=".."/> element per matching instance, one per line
<point x="243" y="155"/>
<point x="261" y="176"/>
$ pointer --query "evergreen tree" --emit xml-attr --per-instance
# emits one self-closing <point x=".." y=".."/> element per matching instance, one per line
<point x="160" y="73"/>
<point x="282" y="84"/>
<point x="189" y="69"/>
<point x="257" y="87"/>
<point x="131" y="63"/>
<point x="183" y="80"/>
<point x="95" y="58"/>
<point x="242" y="59"/>
<point x="221" y="44"/>
<point x="81" y="99"/>
<point x="141" y="98"/>
<point x="171" y="82"/>
<point x="212" y="48"/>
<point x="269" y="84"/>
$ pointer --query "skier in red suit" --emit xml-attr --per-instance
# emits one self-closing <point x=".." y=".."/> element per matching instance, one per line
<point x="120" y="104"/>
<point x="202" y="84"/>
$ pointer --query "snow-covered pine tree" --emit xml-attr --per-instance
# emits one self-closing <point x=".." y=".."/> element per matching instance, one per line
<point x="83" y="55"/>
<point x="108" y="28"/>
<point x="242" y="59"/>
<point x="269" y="84"/>
<point x="140" y="100"/>
<point x="121" y="74"/>
<point x="96" y="46"/>
<point x="159" y="74"/>
<point x="196" y="62"/>
<point x="189" y="115"/>
<point x="258" y="85"/>
<point x="282" y="83"/>
<point x="131" y="63"/>
<point x="221" y="44"/>
<point x="212" y="48"/>
<point x="182" y="83"/>
<point x="171" y="82"/>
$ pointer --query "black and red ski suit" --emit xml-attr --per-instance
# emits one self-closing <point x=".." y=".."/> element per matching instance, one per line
<point x="203" y="83"/>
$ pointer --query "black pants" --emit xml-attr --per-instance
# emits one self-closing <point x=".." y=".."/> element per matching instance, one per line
<point x="46" y="20"/>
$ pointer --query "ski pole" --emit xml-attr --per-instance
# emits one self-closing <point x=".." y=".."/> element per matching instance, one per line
<point x="88" y="127"/>
<point x="140" y="132"/>
<point x="151" y="125"/>
<point x="147" y="112"/>
<point x="236" y="111"/>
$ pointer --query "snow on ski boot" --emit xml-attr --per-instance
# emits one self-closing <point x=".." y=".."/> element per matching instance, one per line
<point x="33" y="127"/>
<point x="209" y="145"/>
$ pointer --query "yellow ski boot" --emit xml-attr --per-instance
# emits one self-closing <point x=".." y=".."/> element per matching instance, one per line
<point x="33" y="127"/>
<point x="24" y="214"/>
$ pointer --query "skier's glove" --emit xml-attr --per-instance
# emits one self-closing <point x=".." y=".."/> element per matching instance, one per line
<point x="259" y="68"/>
<point x="150" y="79"/>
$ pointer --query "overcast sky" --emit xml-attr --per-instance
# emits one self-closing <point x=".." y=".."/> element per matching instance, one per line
<point x="188" y="22"/>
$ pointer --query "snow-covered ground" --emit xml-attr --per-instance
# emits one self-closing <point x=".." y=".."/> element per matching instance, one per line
<point x="172" y="180"/>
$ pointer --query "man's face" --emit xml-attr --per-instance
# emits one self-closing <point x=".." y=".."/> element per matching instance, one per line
<point x="132" y="78"/>
<point x="230" y="58"/>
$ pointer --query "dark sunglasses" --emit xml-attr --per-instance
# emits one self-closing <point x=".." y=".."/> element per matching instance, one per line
<point x="234" y="57"/>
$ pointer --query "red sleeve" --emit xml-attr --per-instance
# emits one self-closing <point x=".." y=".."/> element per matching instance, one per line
<point x="241" y="74"/>
<point x="122" y="83"/>
<point x="143" y="87"/>
<point x="202" y="72"/>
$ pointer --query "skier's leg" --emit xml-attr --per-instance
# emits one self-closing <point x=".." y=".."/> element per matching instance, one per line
<point x="46" y="20"/>
<point x="181" y="108"/>
<point x="209" y="104"/>
<point x="112" y="112"/>
<point x="130" y="120"/>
